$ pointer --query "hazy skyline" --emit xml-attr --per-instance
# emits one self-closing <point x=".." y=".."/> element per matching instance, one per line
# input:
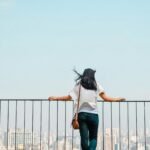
<point x="42" y="41"/>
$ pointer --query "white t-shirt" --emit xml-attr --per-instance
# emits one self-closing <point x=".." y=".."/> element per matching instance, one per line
<point x="88" y="98"/>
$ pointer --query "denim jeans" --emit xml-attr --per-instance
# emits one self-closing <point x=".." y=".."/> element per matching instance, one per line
<point x="88" y="123"/>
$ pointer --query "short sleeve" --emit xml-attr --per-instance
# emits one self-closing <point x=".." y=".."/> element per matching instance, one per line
<point x="74" y="92"/>
<point x="100" y="89"/>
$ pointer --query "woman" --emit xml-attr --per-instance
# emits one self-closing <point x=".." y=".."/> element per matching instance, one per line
<point x="88" y="112"/>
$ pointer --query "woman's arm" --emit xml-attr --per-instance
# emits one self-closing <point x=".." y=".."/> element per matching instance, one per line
<point x="61" y="98"/>
<point x="105" y="97"/>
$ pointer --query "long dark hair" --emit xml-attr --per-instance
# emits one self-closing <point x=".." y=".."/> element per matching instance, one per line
<point x="87" y="79"/>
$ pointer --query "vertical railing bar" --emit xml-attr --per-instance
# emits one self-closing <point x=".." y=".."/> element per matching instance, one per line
<point x="16" y="125"/>
<point x="7" y="123"/>
<point x="57" y="126"/>
<point x="32" y="122"/>
<point x="111" y="129"/>
<point x="119" y="127"/>
<point x="128" y="124"/>
<point x="103" y="130"/>
<point x="24" y="122"/>
<point x="136" y="129"/>
<point x="49" y="126"/>
<point x="0" y="113"/>
<point x="71" y="126"/>
<point x="65" y="123"/>
<point x="145" y="125"/>
<point x="41" y="125"/>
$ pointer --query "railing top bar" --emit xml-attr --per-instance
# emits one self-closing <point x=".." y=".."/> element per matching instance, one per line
<point x="36" y="100"/>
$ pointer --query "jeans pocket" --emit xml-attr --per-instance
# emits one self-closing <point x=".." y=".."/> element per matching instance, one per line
<point x="94" y="118"/>
<point x="82" y="116"/>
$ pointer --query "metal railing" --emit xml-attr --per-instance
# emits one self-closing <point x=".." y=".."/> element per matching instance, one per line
<point x="39" y="124"/>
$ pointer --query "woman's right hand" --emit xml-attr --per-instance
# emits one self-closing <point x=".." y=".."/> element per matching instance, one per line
<point x="51" y="98"/>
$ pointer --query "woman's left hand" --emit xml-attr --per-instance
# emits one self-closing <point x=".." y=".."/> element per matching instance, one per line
<point x="121" y="99"/>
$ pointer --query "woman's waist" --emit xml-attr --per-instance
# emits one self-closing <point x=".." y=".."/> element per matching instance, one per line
<point x="88" y="103"/>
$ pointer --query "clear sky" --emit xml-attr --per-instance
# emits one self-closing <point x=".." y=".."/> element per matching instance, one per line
<point x="42" y="41"/>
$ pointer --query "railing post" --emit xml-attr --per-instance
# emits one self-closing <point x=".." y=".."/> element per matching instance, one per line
<point x="41" y="110"/>
<point x="103" y="127"/>
<point x="136" y="127"/>
<point x="128" y="124"/>
<point x="49" y="126"/>
<point x="24" y="122"/>
<point x="71" y="126"/>
<point x="119" y="128"/>
<point x="65" y="125"/>
<point x="16" y="119"/>
<point x="32" y="122"/>
<point x="0" y="113"/>
<point x="144" y="125"/>
<point x="7" y="124"/>
<point x="111" y="127"/>
<point x="57" y="125"/>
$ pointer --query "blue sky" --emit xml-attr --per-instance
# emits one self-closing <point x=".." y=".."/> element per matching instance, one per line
<point x="42" y="41"/>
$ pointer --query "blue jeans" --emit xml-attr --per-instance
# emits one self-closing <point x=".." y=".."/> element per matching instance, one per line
<point x="88" y="123"/>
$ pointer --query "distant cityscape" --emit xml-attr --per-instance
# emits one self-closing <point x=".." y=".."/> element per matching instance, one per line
<point x="21" y="139"/>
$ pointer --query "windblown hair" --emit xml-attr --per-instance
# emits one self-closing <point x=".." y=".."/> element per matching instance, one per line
<point x="87" y="79"/>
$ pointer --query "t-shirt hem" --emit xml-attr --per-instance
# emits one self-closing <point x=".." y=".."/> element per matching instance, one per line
<point x="89" y="112"/>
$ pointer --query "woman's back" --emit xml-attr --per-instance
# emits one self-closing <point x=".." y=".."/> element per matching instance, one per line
<point x="88" y="98"/>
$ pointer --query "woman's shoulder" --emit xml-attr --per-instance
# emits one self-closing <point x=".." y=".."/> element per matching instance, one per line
<point x="99" y="87"/>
